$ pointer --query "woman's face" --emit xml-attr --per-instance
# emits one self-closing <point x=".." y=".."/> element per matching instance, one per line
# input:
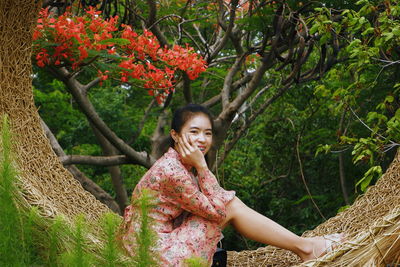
<point x="198" y="130"/>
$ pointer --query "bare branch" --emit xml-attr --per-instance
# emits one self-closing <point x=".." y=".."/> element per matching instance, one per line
<point x="87" y="108"/>
<point x="228" y="112"/>
<point x="216" y="61"/>
<point x="86" y="183"/>
<point x="212" y="101"/>
<point x="187" y="92"/>
<point x="91" y="84"/>
<point x="199" y="34"/>
<point x="225" y="94"/>
<point x="154" y="27"/>
<point x="235" y="86"/>
<point x="95" y="160"/>
<point x="298" y="63"/>
<point x="141" y="123"/>
<point x="163" y="18"/>
<point x="342" y="173"/>
<point x="199" y="47"/>
<point x="232" y="16"/>
<point x="121" y="196"/>
<point x="239" y="133"/>
<point x="304" y="179"/>
<point x="159" y="138"/>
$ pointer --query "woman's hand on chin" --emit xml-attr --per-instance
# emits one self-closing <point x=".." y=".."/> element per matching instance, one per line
<point x="190" y="153"/>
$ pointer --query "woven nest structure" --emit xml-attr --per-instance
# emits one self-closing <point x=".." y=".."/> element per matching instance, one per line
<point x="45" y="181"/>
<point x="372" y="223"/>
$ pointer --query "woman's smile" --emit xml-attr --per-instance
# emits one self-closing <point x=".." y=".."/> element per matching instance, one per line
<point x="198" y="131"/>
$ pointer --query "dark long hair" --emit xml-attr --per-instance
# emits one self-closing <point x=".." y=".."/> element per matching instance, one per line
<point x="185" y="113"/>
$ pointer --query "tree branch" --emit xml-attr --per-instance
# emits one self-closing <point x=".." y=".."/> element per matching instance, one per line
<point x="95" y="160"/>
<point x="91" y="84"/>
<point x="159" y="138"/>
<point x="236" y="85"/>
<point x="151" y="22"/>
<point x="239" y="133"/>
<point x="228" y="113"/>
<point x="225" y="94"/>
<point x="141" y="123"/>
<point x="187" y="91"/>
<point x="141" y="158"/>
<point x="232" y="16"/>
<point x="342" y="173"/>
<point x="86" y="183"/>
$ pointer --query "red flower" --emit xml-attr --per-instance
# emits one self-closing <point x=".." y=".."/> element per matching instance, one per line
<point x="75" y="40"/>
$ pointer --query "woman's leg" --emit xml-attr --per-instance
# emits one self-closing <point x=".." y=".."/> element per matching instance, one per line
<point x="259" y="228"/>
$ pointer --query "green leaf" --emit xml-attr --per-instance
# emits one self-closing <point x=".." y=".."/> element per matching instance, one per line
<point x="375" y="171"/>
<point x="347" y="140"/>
<point x="314" y="28"/>
<point x="343" y="208"/>
<point x="367" y="31"/>
<point x="396" y="31"/>
<point x="323" y="148"/>
<point x="388" y="36"/>
<point x="362" y="2"/>
<point x="389" y="99"/>
<point x="345" y="12"/>
<point x="324" y="38"/>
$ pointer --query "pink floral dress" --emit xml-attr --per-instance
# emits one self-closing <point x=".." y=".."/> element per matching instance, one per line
<point x="187" y="214"/>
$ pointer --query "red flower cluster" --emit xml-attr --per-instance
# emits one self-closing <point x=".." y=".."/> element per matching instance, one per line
<point x="74" y="41"/>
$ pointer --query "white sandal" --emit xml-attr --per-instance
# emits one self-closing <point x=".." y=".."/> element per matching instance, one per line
<point x="332" y="241"/>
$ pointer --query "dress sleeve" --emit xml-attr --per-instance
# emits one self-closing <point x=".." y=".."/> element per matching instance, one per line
<point x="210" y="187"/>
<point x="180" y="189"/>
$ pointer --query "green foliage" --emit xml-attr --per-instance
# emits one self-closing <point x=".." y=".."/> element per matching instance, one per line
<point x="12" y="244"/>
<point x="78" y="256"/>
<point x="365" y="88"/>
<point x="373" y="172"/>
<point x="145" y="255"/>
<point x="110" y="254"/>
<point x="57" y="232"/>
<point x="196" y="262"/>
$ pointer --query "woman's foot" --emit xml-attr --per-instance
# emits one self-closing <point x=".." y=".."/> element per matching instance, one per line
<point x="320" y="245"/>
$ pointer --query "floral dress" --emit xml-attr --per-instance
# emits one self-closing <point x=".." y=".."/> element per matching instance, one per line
<point x="188" y="211"/>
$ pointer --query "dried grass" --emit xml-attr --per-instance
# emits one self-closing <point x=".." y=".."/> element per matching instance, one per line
<point x="45" y="182"/>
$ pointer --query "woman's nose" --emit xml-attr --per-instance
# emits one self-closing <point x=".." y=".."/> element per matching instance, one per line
<point x="201" y="137"/>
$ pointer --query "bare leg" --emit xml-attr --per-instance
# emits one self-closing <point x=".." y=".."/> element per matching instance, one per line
<point x="259" y="228"/>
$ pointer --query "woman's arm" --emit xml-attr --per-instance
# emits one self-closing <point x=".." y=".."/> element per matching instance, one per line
<point x="211" y="188"/>
<point x="179" y="188"/>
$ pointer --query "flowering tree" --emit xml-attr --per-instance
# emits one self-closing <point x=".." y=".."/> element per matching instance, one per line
<point x="76" y="42"/>
<point x="255" y="51"/>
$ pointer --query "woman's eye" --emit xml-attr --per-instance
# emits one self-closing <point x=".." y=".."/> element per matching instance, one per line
<point x="193" y="131"/>
<point x="208" y="134"/>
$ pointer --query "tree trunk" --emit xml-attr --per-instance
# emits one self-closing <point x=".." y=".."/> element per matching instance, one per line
<point x="121" y="195"/>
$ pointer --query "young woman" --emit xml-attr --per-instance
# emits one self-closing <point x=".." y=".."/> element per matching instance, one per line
<point x="191" y="208"/>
